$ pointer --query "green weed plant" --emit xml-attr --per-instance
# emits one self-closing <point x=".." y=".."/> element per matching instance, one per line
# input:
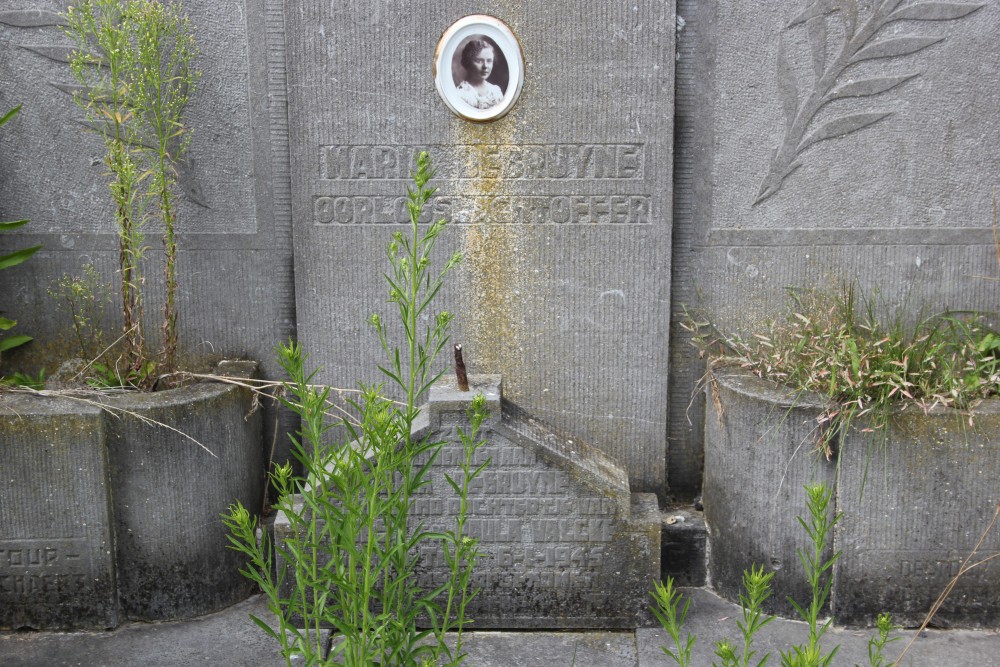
<point x="841" y="346"/>
<point x="84" y="298"/>
<point x="351" y="561"/>
<point x="133" y="61"/>
<point x="670" y="607"/>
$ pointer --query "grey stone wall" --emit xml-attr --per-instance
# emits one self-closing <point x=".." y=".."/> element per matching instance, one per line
<point x="315" y="110"/>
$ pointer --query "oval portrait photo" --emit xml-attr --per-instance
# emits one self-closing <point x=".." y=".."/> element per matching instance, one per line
<point x="479" y="68"/>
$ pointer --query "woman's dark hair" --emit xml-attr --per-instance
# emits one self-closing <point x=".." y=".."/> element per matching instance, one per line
<point x="472" y="49"/>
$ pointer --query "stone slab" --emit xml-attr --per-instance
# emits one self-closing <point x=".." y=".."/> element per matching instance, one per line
<point x="57" y="563"/>
<point x="58" y="188"/>
<point x="561" y="208"/>
<point x="228" y="637"/>
<point x="913" y="517"/>
<point x="236" y="295"/>
<point x="565" y="543"/>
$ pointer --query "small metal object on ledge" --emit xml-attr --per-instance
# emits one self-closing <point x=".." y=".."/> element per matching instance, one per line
<point x="460" y="375"/>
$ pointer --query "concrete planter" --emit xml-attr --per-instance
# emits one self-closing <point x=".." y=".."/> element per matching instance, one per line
<point x="107" y="517"/>
<point x="927" y="498"/>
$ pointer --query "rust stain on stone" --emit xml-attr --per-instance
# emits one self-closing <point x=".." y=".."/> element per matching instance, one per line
<point x="496" y="276"/>
<point x="494" y="279"/>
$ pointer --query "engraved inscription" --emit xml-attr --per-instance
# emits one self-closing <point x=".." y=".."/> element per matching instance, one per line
<point x="25" y="585"/>
<point x="533" y="482"/>
<point x="21" y="554"/>
<point x="30" y="568"/>
<point x="541" y="566"/>
<point x="507" y="162"/>
<point x="546" y="184"/>
<point x="534" y="526"/>
<point x="542" y="506"/>
<point x="932" y="568"/>
<point x="571" y="530"/>
<point x="497" y="456"/>
<point x="531" y="210"/>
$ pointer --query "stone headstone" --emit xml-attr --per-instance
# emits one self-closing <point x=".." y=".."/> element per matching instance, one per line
<point x="561" y="207"/>
<point x="57" y="557"/>
<point x="564" y="542"/>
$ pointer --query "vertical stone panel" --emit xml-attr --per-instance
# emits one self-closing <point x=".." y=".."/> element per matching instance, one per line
<point x="562" y="208"/>
<point x="236" y="295"/>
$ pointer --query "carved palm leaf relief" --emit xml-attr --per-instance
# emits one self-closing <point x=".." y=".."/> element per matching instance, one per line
<point x="862" y="39"/>
<point x="36" y="18"/>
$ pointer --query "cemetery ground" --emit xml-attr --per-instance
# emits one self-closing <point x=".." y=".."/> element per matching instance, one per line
<point x="227" y="639"/>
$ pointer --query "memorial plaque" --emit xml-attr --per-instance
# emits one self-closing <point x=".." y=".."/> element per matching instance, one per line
<point x="561" y="206"/>
<point x="57" y="568"/>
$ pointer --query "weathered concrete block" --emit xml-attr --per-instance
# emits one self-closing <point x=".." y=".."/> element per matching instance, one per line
<point x="169" y="493"/>
<point x="110" y="509"/>
<point x="759" y="452"/>
<point x="57" y="557"/>
<point x="928" y="495"/>
<point x="684" y="547"/>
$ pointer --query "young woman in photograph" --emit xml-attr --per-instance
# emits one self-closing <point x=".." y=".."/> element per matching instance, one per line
<point x="477" y="59"/>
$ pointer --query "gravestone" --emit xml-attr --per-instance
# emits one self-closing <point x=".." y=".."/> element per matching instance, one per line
<point x="561" y="207"/>
<point x="564" y="542"/>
